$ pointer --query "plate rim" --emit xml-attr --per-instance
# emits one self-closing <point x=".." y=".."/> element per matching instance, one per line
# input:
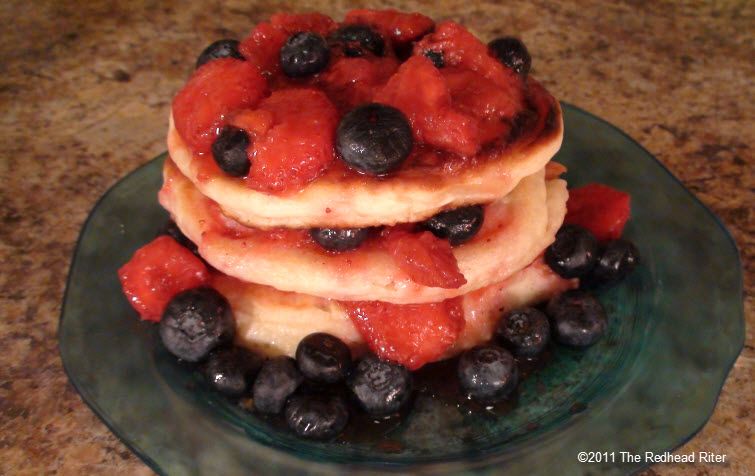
<point x="90" y="402"/>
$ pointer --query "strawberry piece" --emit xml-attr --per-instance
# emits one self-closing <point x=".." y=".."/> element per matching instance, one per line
<point x="481" y="97"/>
<point x="158" y="271"/>
<point x="400" y="27"/>
<point x="214" y="91"/>
<point x="419" y="91"/>
<point x="409" y="334"/>
<point x="427" y="259"/>
<point x="350" y="82"/>
<point x="255" y="121"/>
<point x="599" y="208"/>
<point x="479" y="85"/>
<point x="262" y="46"/>
<point x="294" y="142"/>
<point x="461" y="48"/>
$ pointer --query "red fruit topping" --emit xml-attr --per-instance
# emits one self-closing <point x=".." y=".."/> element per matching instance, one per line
<point x="461" y="48"/>
<point x="350" y="82"/>
<point x="158" y="271"/>
<point x="398" y="26"/>
<point x="541" y="116"/>
<point x="262" y="46"/>
<point x="214" y="91"/>
<point x="255" y="121"/>
<point x="410" y="334"/>
<point x="293" y="132"/>
<point x="427" y="259"/>
<point x="470" y="102"/>
<point x="479" y="96"/>
<point x="419" y="91"/>
<point x="599" y="208"/>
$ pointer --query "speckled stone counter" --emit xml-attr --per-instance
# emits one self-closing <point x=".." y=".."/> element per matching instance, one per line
<point x="85" y="91"/>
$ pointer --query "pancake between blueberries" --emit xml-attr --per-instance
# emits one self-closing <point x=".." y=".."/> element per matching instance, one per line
<point x="338" y="200"/>
<point x="274" y="322"/>
<point x="517" y="228"/>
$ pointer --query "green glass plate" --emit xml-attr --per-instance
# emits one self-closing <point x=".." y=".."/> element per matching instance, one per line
<point x="676" y="327"/>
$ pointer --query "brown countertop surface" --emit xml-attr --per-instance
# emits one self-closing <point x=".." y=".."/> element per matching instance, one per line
<point x="85" y="91"/>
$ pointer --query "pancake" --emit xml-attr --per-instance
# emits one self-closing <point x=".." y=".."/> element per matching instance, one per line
<point x="516" y="229"/>
<point x="409" y="195"/>
<point x="274" y="322"/>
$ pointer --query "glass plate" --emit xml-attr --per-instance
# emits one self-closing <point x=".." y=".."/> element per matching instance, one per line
<point x="676" y="327"/>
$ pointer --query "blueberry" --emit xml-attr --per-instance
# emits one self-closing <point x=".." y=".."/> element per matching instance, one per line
<point x="304" y="54"/>
<point x="574" y="252"/>
<point x="579" y="319"/>
<point x="374" y="138"/>
<point x="171" y="229"/>
<point x="525" y="332"/>
<point x="231" y="370"/>
<point x="355" y="39"/>
<point x="220" y="49"/>
<point x="276" y="381"/>
<point x="229" y="151"/>
<point x="380" y="387"/>
<point x="457" y="225"/>
<point x="512" y="53"/>
<point x="318" y="417"/>
<point x="323" y="358"/>
<point x="436" y="57"/>
<point x="339" y="239"/>
<point x="616" y="260"/>
<point x="488" y="373"/>
<point x="195" y="322"/>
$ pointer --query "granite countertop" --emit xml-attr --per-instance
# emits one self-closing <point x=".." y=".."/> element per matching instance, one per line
<point x="85" y="91"/>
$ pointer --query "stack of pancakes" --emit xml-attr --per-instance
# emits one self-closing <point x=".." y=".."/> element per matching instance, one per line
<point x="281" y="291"/>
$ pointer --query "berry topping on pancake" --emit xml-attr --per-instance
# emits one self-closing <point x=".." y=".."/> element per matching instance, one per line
<point x="158" y="271"/>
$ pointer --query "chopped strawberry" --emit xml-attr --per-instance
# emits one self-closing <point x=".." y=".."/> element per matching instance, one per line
<point x="294" y="142"/>
<point x="461" y="48"/>
<point x="400" y="27"/>
<point x="599" y="208"/>
<point x="427" y="260"/>
<point x="158" y="271"/>
<point x="477" y="95"/>
<point x="262" y="46"/>
<point x="214" y="91"/>
<point x="255" y="121"/>
<point x="350" y="82"/>
<point x="479" y="85"/>
<point x="419" y="91"/>
<point x="410" y="334"/>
